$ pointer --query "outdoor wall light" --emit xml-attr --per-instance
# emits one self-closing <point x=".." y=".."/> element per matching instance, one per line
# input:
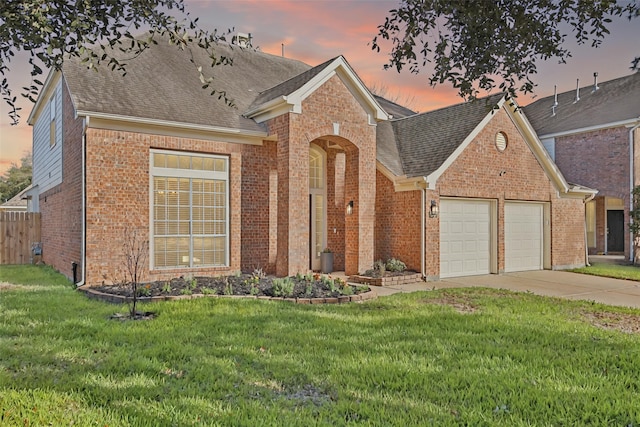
<point x="433" y="209"/>
<point x="350" y="207"/>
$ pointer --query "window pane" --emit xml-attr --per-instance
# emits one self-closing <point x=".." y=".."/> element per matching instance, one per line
<point x="172" y="161"/>
<point x="185" y="162"/>
<point x="189" y="213"/>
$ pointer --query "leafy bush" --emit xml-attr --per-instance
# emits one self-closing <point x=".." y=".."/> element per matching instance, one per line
<point x="283" y="287"/>
<point x="393" y="264"/>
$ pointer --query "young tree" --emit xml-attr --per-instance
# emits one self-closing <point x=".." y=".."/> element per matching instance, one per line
<point x="51" y="30"/>
<point x="471" y="44"/>
<point x="135" y="251"/>
<point x="16" y="178"/>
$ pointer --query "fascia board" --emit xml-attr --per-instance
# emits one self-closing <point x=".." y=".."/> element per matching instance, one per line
<point x="433" y="177"/>
<point x="175" y="129"/>
<point x="402" y="183"/>
<point x="341" y="68"/>
<point x="537" y="148"/>
<point x="45" y="93"/>
<point x="626" y="123"/>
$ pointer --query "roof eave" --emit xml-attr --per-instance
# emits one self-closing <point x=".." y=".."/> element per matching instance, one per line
<point x="169" y="128"/>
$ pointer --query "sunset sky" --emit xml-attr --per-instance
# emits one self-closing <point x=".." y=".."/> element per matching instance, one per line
<point x="314" y="31"/>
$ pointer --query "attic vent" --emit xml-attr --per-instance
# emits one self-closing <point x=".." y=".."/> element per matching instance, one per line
<point x="501" y="141"/>
<point x="242" y="40"/>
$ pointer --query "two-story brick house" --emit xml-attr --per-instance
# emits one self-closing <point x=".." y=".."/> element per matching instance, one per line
<point x="307" y="158"/>
<point x="593" y="135"/>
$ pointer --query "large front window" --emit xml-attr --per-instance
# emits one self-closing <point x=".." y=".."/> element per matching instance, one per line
<point x="189" y="210"/>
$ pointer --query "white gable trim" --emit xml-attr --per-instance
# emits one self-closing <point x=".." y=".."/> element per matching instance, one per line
<point x="48" y="88"/>
<point x="293" y="101"/>
<point x="433" y="177"/>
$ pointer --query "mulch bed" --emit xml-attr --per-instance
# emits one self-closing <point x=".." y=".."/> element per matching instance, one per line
<point x="245" y="285"/>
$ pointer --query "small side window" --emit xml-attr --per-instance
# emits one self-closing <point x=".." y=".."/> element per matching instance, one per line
<point x="52" y="122"/>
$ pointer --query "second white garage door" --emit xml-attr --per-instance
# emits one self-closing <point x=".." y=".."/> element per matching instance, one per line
<point x="523" y="233"/>
<point x="464" y="237"/>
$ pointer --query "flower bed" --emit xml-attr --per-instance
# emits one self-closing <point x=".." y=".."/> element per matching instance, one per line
<point x="301" y="289"/>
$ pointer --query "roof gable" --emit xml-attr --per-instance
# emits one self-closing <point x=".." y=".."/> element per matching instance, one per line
<point x="288" y="96"/>
<point x="427" y="144"/>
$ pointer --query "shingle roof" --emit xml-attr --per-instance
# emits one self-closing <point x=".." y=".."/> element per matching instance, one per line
<point x="425" y="141"/>
<point x="163" y="84"/>
<point x="616" y="100"/>
<point x="290" y="85"/>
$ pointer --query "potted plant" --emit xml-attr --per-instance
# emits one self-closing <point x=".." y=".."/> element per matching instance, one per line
<point x="326" y="261"/>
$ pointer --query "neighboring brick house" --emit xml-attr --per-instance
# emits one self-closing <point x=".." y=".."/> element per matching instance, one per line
<point x="593" y="135"/>
<point x="306" y="159"/>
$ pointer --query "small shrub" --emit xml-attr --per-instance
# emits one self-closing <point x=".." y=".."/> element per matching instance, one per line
<point x="186" y="291"/>
<point x="395" y="265"/>
<point x="207" y="291"/>
<point x="346" y="290"/>
<point x="144" y="291"/>
<point x="283" y="287"/>
<point x="380" y="266"/>
<point x="166" y="288"/>
<point x="193" y="283"/>
<point x="254" y="290"/>
<point x="308" y="290"/>
<point x="259" y="273"/>
<point x="228" y="287"/>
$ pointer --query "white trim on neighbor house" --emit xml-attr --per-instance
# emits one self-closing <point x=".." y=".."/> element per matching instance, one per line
<point x="626" y="123"/>
<point x="293" y="101"/>
<point x="174" y="129"/>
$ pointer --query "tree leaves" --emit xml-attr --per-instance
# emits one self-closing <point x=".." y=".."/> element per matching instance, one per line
<point x="483" y="45"/>
<point x="51" y="31"/>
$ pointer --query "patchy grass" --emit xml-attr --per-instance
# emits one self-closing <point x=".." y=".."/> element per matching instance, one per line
<point x="616" y="271"/>
<point x="449" y="357"/>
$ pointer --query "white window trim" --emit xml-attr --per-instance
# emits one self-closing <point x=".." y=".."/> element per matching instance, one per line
<point x="196" y="174"/>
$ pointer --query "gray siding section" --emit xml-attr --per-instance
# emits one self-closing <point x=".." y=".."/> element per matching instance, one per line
<point x="47" y="160"/>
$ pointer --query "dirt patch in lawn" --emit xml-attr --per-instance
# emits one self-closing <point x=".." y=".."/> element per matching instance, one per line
<point x="624" y="322"/>
<point x="459" y="303"/>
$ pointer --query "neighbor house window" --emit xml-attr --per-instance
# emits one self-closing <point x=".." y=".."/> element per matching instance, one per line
<point x="189" y="210"/>
<point x="591" y="224"/>
<point x="52" y="121"/>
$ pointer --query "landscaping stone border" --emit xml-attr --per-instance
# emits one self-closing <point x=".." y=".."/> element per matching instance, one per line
<point x="404" y="279"/>
<point x="119" y="299"/>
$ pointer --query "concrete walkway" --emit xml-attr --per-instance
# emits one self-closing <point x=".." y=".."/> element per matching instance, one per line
<point x="560" y="284"/>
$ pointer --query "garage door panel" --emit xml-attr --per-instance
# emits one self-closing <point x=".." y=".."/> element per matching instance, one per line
<point x="464" y="237"/>
<point x="523" y="236"/>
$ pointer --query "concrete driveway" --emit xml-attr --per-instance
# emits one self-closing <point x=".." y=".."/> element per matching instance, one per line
<point x="560" y="284"/>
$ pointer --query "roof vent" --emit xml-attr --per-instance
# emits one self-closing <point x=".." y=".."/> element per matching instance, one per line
<point x="577" y="91"/>
<point x="242" y="40"/>
<point x="595" y="82"/>
<point x="555" y="100"/>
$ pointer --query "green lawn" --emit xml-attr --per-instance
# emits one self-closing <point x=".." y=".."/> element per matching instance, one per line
<point x="629" y="272"/>
<point x="448" y="357"/>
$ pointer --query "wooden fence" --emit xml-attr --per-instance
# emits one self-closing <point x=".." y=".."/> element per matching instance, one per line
<point x="18" y="232"/>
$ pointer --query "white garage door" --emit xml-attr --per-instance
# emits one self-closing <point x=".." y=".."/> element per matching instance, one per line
<point x="464" y="237"/>
<point x="523" y="236"/>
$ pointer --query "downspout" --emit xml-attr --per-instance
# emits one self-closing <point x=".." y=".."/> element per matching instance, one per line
<point x="83" y="236"/>
<point x="631" y="182"/>
<point x="586" y="241"/>
<point x="423" y="233"/>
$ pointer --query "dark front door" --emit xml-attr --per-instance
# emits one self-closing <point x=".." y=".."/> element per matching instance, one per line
<point x="615" y="231"/>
